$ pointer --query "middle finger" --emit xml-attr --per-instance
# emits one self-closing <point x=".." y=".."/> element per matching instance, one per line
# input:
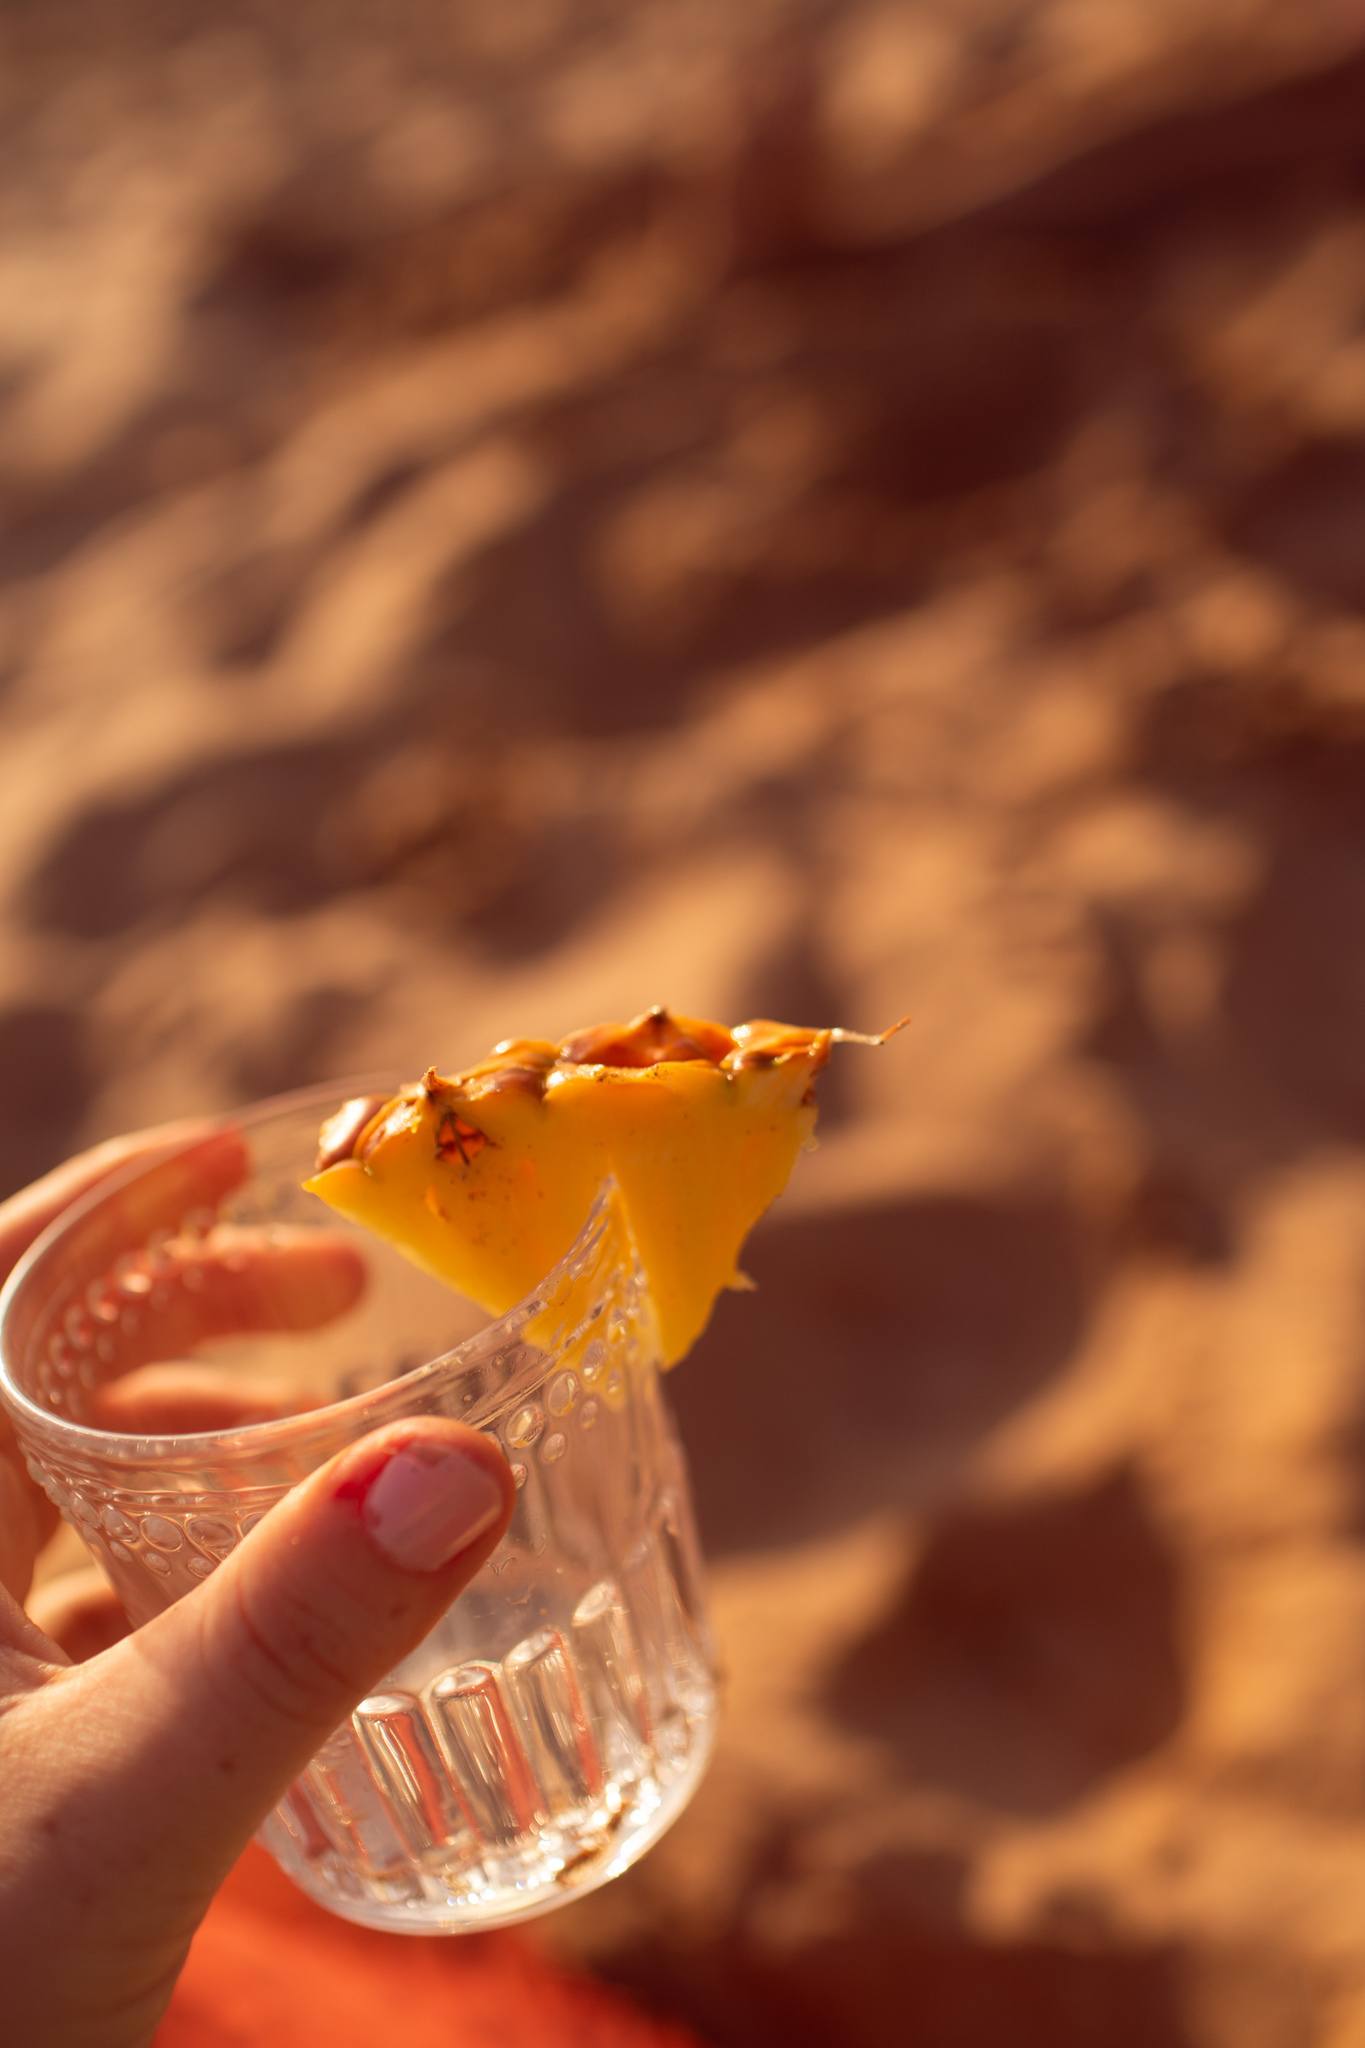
<point x="237" y="1283"/>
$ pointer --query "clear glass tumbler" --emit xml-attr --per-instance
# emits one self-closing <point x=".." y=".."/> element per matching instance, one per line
<point x="560" y="1715"/>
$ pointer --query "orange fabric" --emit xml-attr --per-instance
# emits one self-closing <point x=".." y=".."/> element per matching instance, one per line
<point x="269" y="1967"/>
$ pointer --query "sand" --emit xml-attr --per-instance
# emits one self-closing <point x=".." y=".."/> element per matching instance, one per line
<point x="514" y="514"/>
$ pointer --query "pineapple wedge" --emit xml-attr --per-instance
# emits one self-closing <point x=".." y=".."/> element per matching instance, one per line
<point x="485" y="1178"/>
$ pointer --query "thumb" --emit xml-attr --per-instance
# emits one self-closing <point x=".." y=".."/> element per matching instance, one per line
<point x="210" y="1710"/>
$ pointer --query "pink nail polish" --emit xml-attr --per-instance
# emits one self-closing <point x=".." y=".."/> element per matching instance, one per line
<point x="427" y="1503"/>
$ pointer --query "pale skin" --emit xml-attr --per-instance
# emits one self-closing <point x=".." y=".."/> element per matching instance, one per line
<point x="134" y="1768"/>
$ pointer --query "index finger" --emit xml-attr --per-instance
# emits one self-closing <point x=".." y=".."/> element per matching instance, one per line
<point x="189" y="1166"/>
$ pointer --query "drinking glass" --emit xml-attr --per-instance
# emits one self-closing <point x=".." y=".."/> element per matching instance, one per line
<point x="559" y="1716"/>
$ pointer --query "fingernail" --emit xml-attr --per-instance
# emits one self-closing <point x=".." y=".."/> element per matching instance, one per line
<point x="427" y="1503"/>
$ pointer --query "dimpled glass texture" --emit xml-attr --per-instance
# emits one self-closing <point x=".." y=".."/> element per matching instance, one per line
<point x="560" y="1715"/>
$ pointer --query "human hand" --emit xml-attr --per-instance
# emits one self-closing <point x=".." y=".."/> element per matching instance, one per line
<point x="131" y="1782"/>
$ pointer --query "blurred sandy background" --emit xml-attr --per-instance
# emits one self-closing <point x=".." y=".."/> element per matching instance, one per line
<point x="516" y="512"/>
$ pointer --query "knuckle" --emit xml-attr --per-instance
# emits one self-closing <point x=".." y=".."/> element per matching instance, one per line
<point x="287" y="1657"/>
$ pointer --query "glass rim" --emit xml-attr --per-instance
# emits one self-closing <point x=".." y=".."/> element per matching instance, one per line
<point x="245" y="1441"/>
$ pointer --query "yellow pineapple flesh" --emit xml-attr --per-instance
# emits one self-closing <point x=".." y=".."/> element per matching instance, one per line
<point x="485" y="1178"/>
